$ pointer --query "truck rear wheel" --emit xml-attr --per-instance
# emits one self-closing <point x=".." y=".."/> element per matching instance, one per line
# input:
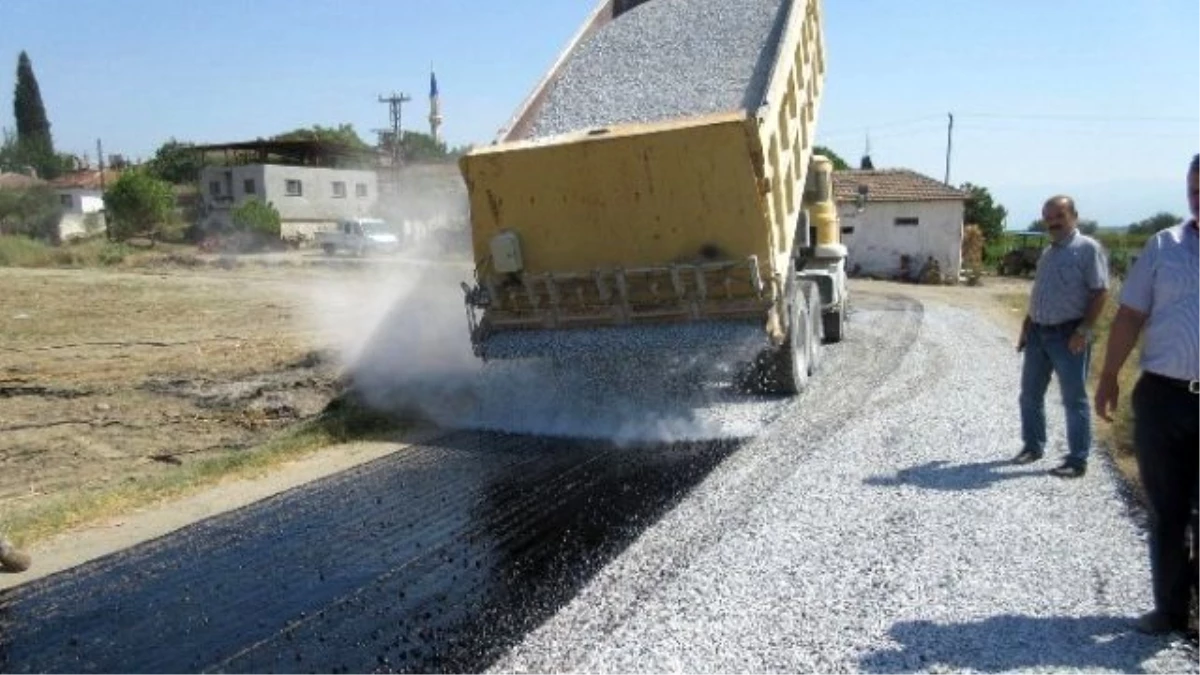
<point x="784" y="370"/>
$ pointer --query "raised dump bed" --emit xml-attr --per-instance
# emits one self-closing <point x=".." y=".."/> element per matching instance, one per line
<point x="656" y="175"/>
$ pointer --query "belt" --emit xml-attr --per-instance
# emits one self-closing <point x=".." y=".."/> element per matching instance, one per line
<point x="1190" y="386"/>
<point x="1058" y="326"/>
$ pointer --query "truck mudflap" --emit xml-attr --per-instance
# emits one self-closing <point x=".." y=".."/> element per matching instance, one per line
<point x="719" y="290"/>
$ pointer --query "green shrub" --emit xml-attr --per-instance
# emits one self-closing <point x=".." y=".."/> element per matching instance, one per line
<point x="19" y="251"/>
<point x="140" y="205"/>
<point x="255" y="216"/>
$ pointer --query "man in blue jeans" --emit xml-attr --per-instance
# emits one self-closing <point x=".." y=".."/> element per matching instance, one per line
<point x="1069" y="291"/>
<point x="1161" y="300"/>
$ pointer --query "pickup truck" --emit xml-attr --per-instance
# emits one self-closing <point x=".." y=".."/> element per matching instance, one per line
<point x="359" y="236"/>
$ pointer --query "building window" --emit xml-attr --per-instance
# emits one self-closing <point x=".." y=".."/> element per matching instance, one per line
<point x="293" y="188"/>
<point x="360" y="189"/>
<point x="248" y="186"/>
<point x="214" y="188"/>
<point x="66" y="200"/>
<point x="909" y="222"/>
<point x="339" y="189"/>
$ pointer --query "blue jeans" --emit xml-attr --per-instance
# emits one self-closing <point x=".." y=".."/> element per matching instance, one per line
<point x="1047" y="353"/>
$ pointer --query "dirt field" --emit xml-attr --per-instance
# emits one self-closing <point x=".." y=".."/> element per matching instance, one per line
<point x="109" y="377"/>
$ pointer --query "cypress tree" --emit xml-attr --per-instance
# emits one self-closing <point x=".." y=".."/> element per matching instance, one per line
<point x="33" y="127"/>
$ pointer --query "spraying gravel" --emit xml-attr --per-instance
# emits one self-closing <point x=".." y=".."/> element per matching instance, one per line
<point x="404" y="337"/>
<point x="878" y="527"/>
<point x="665" y="59"/>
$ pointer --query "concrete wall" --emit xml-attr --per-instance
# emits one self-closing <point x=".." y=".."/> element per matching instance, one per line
<point x="877" y="242"/>
<point x="77" y="205"/>
<point x="317" y="207"/>
<point x="81" y="200"/>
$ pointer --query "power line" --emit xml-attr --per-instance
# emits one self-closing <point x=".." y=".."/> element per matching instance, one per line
<point x="1083" y="117"/>
<point x="1125" y="133"/>
<point x="859" y="130"/>
<point x="939" y="128"/>
<point x="886" y="125"/>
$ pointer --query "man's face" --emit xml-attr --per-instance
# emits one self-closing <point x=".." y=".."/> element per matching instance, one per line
<point x="1194" y="192"/>
<point x="1060" y="221"/>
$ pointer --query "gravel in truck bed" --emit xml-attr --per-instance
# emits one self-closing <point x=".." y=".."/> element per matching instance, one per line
<point x="665" y="59"/>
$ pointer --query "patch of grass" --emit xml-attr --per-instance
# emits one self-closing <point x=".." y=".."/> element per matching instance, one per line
<point x="17" y="251"/>
<point x="1117" y="437"/>
<point x="345" y="419"/>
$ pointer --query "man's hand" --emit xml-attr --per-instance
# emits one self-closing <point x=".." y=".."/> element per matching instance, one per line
<point x="1077" y="343"/>
<point x="1108" y="392"/>
<point x="1022" y="340"/>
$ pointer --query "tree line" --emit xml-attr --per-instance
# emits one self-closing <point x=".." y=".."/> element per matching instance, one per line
<point x="142" y="201"/>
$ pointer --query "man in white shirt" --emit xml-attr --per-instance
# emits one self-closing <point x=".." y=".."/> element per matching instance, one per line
<point x="1162" y="295"/>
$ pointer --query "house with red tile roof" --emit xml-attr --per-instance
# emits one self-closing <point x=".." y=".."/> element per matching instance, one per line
<point x="894" y="220"/>
<point x="81" y="195"/>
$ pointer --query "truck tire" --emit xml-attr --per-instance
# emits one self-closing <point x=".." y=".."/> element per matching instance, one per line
<point x="835" y="323"/>
<point x="784" y="370"/>
<point x="816" y="331"/>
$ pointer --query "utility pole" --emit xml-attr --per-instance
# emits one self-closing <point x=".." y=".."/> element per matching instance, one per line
<point x="949" y="145"/>
<point x="395" y="109"/>
<point x="104" y="207"/>
<point x="100" y="159"/>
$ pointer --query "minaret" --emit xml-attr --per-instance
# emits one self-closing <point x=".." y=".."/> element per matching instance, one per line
<point x="435" y="112"/>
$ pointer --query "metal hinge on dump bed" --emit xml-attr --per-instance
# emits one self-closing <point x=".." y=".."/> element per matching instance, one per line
<point x="616" y="297"/>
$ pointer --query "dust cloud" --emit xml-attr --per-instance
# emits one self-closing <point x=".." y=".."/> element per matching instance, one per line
<point x="401" y="333"/>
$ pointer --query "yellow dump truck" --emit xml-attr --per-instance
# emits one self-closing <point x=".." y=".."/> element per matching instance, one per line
<point x="725" y="216"/>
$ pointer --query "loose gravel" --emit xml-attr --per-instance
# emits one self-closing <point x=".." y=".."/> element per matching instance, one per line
<point x="877" y="526"/>
<point x="665" y="59"/>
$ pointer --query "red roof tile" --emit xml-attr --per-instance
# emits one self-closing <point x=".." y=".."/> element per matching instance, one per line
<point x="86" y="180"/>
<point x="892" y="185"/>
<point x="16" y="181"/>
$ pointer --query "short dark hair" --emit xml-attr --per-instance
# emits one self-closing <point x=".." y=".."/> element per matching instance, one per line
<point x="1195" y="167"/>
<point x="1064" y="199"/>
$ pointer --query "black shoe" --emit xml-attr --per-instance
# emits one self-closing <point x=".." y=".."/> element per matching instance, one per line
<point x="1027" y="457"/>
<point x="1069" y="469"/>
<point x="1157" y="623"/>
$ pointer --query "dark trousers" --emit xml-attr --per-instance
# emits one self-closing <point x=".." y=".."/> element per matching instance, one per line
<point x="1167" y="436"/>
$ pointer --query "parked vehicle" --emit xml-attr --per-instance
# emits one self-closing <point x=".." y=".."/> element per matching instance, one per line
<point x="1022" y="259"/>
<point x="360" y="236"/>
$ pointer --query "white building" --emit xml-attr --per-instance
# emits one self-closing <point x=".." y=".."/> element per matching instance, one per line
<point x="82" y="200"/>
<point x="309" y="199"/>
<point x="905" y="214"/>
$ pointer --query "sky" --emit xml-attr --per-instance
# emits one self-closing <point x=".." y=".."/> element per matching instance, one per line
<point x="1098" y="99"/>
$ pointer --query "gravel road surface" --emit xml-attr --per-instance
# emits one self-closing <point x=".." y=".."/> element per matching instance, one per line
<point x="872" y="525"/>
